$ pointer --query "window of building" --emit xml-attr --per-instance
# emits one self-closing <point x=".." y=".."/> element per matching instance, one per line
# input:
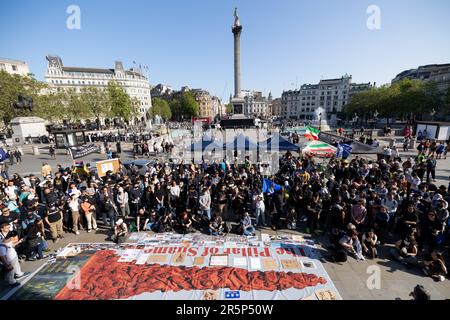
<point x="335" y="103"/>
<point x="14" y="67"/>
<point x="2" y="66"/>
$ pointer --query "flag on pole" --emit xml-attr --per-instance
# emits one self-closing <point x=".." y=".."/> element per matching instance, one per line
<point x="339" y="151"/>
<point x="343" y="150"/>
<point x="270" y="186"/>
<point x="312" y="133"/>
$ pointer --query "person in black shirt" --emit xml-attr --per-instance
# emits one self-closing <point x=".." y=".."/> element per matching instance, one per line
<point x="185" y="223"/>
<point x="434" y="266"/>
<point x="166" y="222"/>
<point x="141" y="219"/>
<point x="53" y="218"/>
<point x="429" y="228"/>
<point x="408" y="220"/>
<point x="159" y="198"/>
<point x="278" y="203"/>
<point x="216" y="227"/>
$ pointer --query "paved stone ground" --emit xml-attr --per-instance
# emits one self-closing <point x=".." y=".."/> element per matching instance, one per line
<point x="350" y="278"/>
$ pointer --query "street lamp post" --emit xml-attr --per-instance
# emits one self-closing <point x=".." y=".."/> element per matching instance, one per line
<point x="320" y="121"/>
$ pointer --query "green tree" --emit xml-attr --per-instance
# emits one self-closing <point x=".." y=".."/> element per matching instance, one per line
<point x="11" y="86"/>
<point x="161" y="108"/>
<point x="189" y="106"/>
<point x="176" y="109"/>
<point x="228" y="108"/>
<point x="405" y="99"/>
<point x="166" y="113"/>
<point x="120" y="102"/>
<point x="77" y="106"/>
<point x="51" y="106"/>
<point x="97" y="101"/>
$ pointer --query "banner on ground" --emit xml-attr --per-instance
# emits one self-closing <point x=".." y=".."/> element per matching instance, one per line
<point x="179" y="268"/>
<point x="104" y="166"/>
<point x="82" y="151"/>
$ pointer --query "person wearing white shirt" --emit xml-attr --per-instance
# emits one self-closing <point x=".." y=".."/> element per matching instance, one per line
<point x="75" y="208"/>
<point x="415" y="181"/>
<point x="122" y="200"/>
<point x="205" y="203"/>
<point x="260" y="209"/>
<point x="174" y="194"/>
<point x="11" y="190"/>
<point x="9" y="258"/>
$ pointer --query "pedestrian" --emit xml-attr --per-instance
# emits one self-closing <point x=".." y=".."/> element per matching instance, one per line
<point x="52" y="153"/>
<point x="123" y="201"/>
<point x="10" y="155"/>
<point x="431" y="168"/>
<point x="75" y="213"/>
<point x="89" y="213"/>
<point x="54" y="220"/>
<point x="120" y="231"/>
<point x="18" y="156"/>
<point x="10" y="259"/>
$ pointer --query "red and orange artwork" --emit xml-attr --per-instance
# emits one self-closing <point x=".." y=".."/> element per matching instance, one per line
<point x="102" y="277"/>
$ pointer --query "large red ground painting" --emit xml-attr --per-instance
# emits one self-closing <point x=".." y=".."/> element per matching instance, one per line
<point x="102" y="277"/>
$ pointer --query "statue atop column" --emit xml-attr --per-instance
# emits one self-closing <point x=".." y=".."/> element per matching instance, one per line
<point x="237" y="23"/>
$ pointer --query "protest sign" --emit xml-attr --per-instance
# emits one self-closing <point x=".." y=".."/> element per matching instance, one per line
<point x="112" y="165"/>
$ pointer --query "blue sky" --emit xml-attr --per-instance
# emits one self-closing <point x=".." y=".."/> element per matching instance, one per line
<point x="189" y="42"/>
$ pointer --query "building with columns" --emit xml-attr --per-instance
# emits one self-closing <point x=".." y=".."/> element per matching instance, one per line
<point x="255" y="104"/>
<point x="205" y="103"/>
<point x="14" y="66"/>
<point x="439" y="73"/>
<point x="133" y="81"/>
<point x="275" y="107"/>
<point x="331" y="95"/>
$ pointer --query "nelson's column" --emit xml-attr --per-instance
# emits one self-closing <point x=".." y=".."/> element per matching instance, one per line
<point x="238" y="118"/>
<point x="238" y="100"/>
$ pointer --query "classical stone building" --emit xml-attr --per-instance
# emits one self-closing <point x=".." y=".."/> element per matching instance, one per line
<point x="205" y="103"/>
<point x="440" y="73"/>
<point x="255" y="104"/>
<point x="161" y="91"/>
<point x="331" y="95"/>
<point x="14" y="66"/>
<point x="275" y="107"/>
<point x="133" y="81"/>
